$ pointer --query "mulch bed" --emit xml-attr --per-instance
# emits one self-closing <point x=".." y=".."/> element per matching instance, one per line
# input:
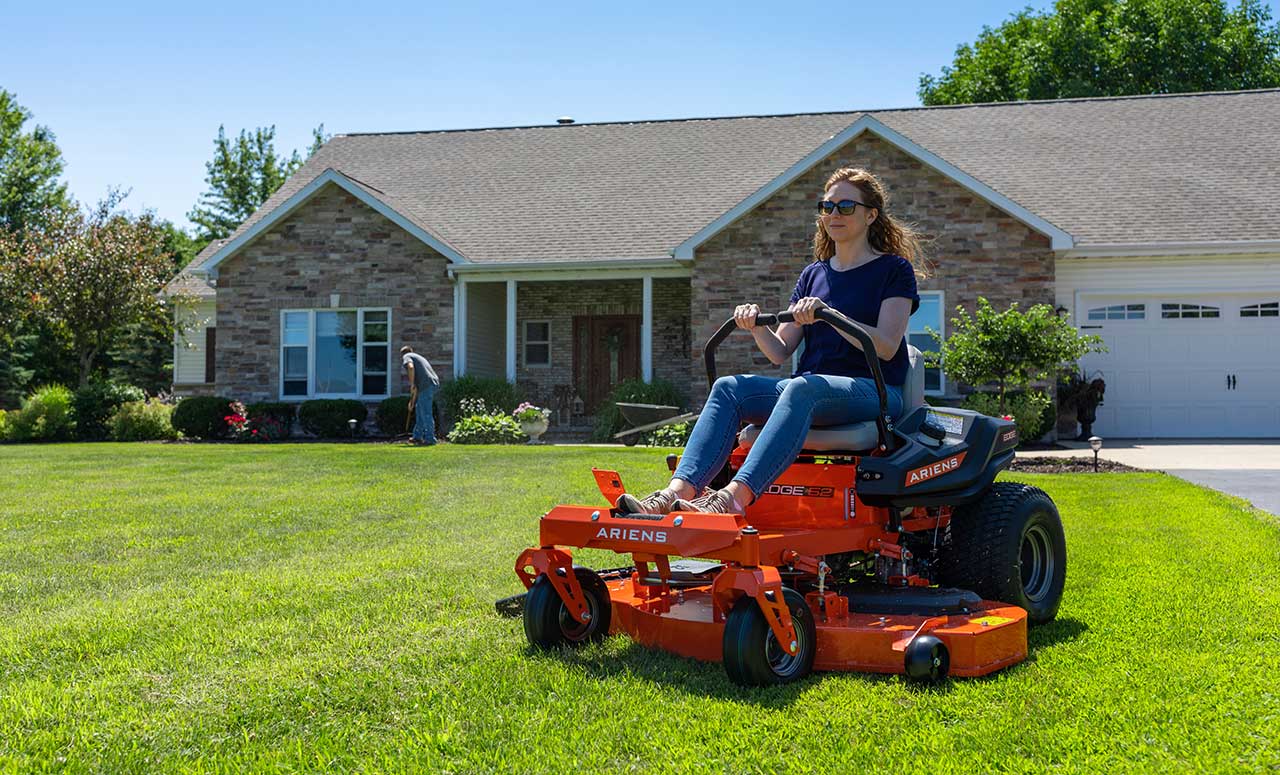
<point x="1066" y="465"/>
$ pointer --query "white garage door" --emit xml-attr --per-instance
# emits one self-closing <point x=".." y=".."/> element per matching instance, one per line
<point x="1186" y="366"/>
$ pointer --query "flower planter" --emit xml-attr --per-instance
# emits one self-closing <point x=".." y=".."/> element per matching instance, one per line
<point x="534" y="429"/>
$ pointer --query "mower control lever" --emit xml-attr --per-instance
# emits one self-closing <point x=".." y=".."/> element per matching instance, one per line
<point x="838" y="321"/>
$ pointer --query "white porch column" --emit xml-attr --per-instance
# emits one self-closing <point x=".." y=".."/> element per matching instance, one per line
<point x="511" y="330"/>
<point x="460" y="328"/>
<point x="646" y="331"/>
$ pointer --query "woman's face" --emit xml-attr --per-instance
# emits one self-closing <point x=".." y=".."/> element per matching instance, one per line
<point x="846" y="228"/>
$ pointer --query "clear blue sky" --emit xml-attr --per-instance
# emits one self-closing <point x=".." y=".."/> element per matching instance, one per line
<point x="135" y="91"/>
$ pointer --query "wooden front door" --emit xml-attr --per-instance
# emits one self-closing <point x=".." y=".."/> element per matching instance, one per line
<point x="606" y="350"/>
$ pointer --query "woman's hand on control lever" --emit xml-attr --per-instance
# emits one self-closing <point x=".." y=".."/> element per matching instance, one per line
<point x="804" y="309"/>
<point x="745" y="315"/>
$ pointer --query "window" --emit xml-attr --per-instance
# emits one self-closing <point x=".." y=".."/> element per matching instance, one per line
<point x="537" y="343"/>
<point x="1187" y="311"/>
<point x="335" y="353"/>
<point x="1269" y="309"/>
<point x="1119" y="312"/>
<point x="928" y="316"/>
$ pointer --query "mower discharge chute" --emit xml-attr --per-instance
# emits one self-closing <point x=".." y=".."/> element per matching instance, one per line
<point x="886" y="547"/>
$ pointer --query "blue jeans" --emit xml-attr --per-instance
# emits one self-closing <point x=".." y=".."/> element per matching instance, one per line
<point x="786" y="408"/>
<point x="424" y="426"/>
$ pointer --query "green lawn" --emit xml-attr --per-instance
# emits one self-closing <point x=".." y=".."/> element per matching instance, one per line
<point x="329" y="608"/>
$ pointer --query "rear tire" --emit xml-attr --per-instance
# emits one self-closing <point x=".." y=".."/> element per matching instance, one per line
<point x="752" y="655"/>
<point x="1008" y="546"/>
<point x="548" y="624"/>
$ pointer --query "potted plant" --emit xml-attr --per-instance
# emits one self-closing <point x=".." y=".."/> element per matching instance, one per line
<point x="1083" y="394"/>
<point x="533" y="420"/>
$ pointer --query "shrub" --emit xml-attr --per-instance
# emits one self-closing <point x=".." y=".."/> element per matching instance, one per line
<point x="1032" y="410"/>
<point x="674" y="435"/>
<point x="142" y="421"/>
<point x="244" y="427"/>
<point x="486" y="429"/>
<point x="327" y="417"/>
<point x="273" y="417"/>
<point x="96" y="402"/>
<point x="496" y="393"/>
<point x="633" y="391"/>
<point x="202" y="417"/>
<point x="4" y="425"/>
<point x="391" y="415"/>
<point x="46" y="415"/>
<point x="1011" y="349"/>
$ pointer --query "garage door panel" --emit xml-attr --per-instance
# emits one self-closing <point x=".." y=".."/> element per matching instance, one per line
<point x="1168" y="376"/>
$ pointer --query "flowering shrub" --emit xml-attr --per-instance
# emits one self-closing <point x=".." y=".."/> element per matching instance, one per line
<point x="481" y="425"/>
<point x="527" y="412"/>
<point x="260" y="428"/>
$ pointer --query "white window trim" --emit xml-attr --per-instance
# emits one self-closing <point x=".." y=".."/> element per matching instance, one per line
<point x="525" y="342"/>
<point x="942" y="329"/>
<point x="311" y="354"/>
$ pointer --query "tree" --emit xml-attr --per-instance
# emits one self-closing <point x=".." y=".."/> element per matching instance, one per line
<point x="30" y="164"/>
<point x="243" y="173"/>
<point x="90" y="274"/>
<point x="1011" y="349"/>
<point x="1094" y="48"/>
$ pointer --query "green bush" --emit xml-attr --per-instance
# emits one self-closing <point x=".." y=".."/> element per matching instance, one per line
<point x="142" y="421"/>
<point x="486" y="429"/>
<point x="633" y="391"/>
<point x="327" y="417"/>
<point x="674" y="435"/>
<point x="202" y="417"/>
<point x="96" y="402"/>
<point x="281" y="412"/>
<point x="4" y="425"/>
<point x="1032" y="410"/>
<point x="391" y="415"/>
<point x="497" y="393"/>
<point x="46" y="415"/>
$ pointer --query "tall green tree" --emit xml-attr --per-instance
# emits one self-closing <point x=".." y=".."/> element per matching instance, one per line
<point x="1095" y="48"/>
<point x="243" y="173"/>
<point x="30" y="164"/>
<point x="90" y="274"/>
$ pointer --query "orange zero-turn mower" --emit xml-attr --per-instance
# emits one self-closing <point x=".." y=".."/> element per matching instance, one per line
<point x="885" y="547"/>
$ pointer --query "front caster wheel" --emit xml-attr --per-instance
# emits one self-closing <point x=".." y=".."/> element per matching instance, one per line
<point x="548" y="624"/>
<point x="752" y="654"/>
<point x="927" y="659"/>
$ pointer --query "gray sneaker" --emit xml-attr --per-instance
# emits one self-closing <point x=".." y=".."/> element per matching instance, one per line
<point x="658" y="503"/>
<point x="713" y="502"/>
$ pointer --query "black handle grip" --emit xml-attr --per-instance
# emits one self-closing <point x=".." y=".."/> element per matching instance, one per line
<point x="835" y="319"/>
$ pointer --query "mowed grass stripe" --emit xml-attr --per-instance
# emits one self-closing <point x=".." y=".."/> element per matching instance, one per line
<point x="214" y="608"/>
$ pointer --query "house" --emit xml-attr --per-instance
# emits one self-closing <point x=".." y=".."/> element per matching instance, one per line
<point x="568" y="257"/>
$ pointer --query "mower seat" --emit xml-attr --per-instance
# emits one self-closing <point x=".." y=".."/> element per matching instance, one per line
<point x="858" y="435"/>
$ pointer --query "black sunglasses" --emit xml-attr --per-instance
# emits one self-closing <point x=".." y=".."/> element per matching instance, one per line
<point x="845" y="206"/>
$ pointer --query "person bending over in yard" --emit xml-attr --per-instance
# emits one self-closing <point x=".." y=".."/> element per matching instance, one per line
<point x="422" y="390"/>
<point x="865" y="265"/>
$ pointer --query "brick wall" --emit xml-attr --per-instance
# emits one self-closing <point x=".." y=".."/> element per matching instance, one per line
<point x="559" y="302"/>
<point x="977" y="249"/>
<point x="332" y="244"/>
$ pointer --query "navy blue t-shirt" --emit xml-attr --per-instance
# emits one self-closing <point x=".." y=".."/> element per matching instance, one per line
<point x="857" y="293"/>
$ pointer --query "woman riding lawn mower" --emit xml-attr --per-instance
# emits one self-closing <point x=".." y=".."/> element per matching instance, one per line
<point x="876" y="540"/>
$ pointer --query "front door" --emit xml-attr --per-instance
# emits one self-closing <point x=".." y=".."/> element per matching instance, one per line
<point x="606" y="351"/>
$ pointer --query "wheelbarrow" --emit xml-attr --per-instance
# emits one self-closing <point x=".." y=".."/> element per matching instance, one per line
<point x="647" y="417"/>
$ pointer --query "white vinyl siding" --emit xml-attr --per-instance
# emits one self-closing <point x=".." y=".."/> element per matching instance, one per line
<point x="189" y="342"/>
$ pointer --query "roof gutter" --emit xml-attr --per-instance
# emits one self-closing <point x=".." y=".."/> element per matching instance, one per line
<point x="1207" y="248"/>
<point x="598" y="269"/>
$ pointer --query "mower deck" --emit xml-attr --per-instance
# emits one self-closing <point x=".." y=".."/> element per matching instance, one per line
<point x="988" y="638"/>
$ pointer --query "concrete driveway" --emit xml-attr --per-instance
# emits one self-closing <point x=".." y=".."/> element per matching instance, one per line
<point x="1248" y="468"/>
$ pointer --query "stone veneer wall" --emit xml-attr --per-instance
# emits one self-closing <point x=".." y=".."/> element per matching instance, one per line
<point x="560" y="301"/>
<point x="333" y="243"/>
<point x="977" y="249"/>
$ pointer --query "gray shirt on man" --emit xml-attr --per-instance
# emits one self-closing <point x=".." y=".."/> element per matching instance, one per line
<point x="424" y="376"/>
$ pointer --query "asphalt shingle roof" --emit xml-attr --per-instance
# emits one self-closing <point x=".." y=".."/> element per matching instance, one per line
<point x="1182" y="168"/>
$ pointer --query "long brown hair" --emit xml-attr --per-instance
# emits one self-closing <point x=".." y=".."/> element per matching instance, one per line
<point x="886" y="234"/>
